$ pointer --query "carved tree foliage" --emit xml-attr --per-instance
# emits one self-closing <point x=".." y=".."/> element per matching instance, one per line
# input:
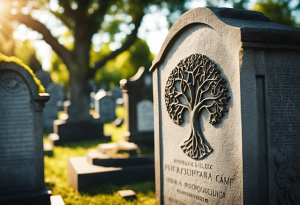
<point x="195" y="85"/>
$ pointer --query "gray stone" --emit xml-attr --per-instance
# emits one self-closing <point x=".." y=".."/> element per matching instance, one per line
<point x="243" y="147"/>
<point x="105" y="106"/>
<point x="97" y="158"/>
<point x="44" y="77"/>
<point x="53" y="106"/>
<point x="70" y="130"/>
<point x="116" y="92"/>
<point x="76" y="131"/>
<point x="57" y="200"/>
<point x="138" y="101"/>
<point x="21" y="138"/>
<point x="82" y="175"/>
<point x="116" y="163"/>
<point x="127" y="194"/>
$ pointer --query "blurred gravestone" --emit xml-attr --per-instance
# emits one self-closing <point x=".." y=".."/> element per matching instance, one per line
<point x="74" y="129"/>
<point x="116" y="93"/>
<point x="105" y="106"/>
<point x="44" y="77"/>
<point x="139" y="108"/>
<point x="226" y="102"/>
<point x="57" y="96"/>
<point x="21" y="138"/>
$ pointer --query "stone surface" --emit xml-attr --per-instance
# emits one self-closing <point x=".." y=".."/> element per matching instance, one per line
<point x="44" y="77"/>
<point x="48" y="149"/>
<point x="138" y="98"/>
<point x="53" y="106"/>
<point x="97" y="158"/>
<point x="105" y="106"/>
<point x="75" y="131"/>
<point x="249" y="154"/>
<point x="116" y="92"/>
<point x="21" y="137"/>
<point x="120" y="147"/>
<point x="127" y="194"/>
<point x="82" y="175"/>
<point x="145" y="118"/>
<point x="57" y="200"/>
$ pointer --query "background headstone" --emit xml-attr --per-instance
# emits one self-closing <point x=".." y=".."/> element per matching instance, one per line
<point x="138" y="101"/>
<point x="116" y="93"/>
<point x="21" y="137"/>
<point x="105" y="106"/>
<point x="238" y="150"/>
<point x="53" y="106"/>
<point x="44" y="77"/>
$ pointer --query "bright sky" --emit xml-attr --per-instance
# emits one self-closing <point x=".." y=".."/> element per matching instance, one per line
<point x="153" y="29"/>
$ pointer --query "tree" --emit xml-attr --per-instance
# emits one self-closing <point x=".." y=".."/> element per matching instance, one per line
<point x="124" y="65"/>
<point x="84" y="18"/>
<point x="278" y="11"/>
<point x="194" y="85"/>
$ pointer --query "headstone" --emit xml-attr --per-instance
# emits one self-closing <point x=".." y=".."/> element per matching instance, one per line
<point x="138" y="101"/>
<point x="116" y="93"/>
<point x="226" y="93"/>
<point x="69" y="129"/>
<point x="21" y="137"/>
<point x="53" y="106"/>
<point x="105" y="106"/>
<point x="116" y="163"/>
<point x="44" y="77"/>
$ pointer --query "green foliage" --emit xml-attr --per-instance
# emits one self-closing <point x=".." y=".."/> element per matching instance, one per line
<point x="59" y="72"/>
<point x="278" y="11"/>
<point x="124" y="65"/>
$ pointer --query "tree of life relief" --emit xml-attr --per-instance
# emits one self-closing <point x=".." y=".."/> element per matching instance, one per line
<point x="195" y="85"/>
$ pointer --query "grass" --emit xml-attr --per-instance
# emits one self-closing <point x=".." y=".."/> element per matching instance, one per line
<point x="56" y="175"/>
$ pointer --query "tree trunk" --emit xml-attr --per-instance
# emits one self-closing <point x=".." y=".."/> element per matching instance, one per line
<point x="80" y="97"/>
<point x="195" y="147"/>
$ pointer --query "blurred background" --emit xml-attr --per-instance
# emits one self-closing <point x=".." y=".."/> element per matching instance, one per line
<point x="87" y="45"/>
<point x="105" y="41"/>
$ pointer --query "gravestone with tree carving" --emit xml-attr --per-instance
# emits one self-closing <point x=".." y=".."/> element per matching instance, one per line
<point x="195" y="84"/>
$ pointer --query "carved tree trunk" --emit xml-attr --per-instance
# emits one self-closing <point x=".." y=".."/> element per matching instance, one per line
<point x="195" y="147"/>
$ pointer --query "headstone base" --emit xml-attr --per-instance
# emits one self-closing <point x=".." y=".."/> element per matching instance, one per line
<point x="76" y="131"/>
<point x="48" y="149"/>
<point x="82" y="175"/>
<point x="127" y="194"/>
<point x="96" y="158"/>
<point x="57" y="200"/>
<point x="27" y="198"/>
<point x="142" y="138"/>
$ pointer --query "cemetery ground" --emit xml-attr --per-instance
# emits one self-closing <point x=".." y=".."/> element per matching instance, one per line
<point x="56" y="174"/>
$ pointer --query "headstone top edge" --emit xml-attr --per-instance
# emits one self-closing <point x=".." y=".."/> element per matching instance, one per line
<point x="253" y="26"/>
<point x="224" y="12"/>
<point x="28" y="79"/>
<point x="124" y="83"/>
